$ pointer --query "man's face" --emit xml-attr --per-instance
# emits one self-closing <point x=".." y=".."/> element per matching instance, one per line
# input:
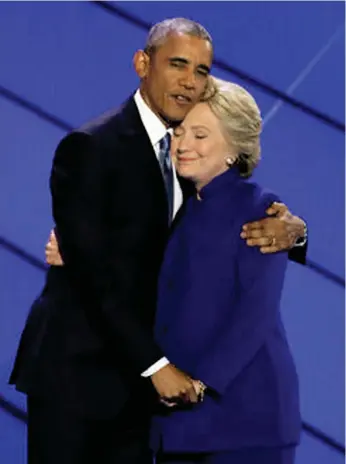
<point x="174" y="76"/>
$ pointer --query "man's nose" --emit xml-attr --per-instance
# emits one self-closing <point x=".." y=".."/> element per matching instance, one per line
<point x="189" y="80"/>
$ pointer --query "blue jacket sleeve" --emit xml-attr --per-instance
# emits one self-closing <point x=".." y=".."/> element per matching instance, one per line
<point x="259" y="286"/>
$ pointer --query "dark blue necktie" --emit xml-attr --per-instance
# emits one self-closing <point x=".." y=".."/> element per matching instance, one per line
<point x="167" y="172"/>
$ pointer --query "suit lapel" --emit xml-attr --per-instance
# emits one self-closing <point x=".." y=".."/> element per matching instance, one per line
<point x="138" y="144"/>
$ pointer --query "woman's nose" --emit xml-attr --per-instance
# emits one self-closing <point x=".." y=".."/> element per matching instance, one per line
<point x="179" y="144"/>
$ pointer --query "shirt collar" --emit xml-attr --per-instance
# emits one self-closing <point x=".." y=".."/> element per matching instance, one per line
<point x="155" y="128"/>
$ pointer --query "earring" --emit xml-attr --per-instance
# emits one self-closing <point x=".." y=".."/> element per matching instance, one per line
<point x="229" y="161"/>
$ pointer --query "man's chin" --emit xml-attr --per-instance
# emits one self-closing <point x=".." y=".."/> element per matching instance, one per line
<point x="173" y="118"/>
<point x="171" y="121"/>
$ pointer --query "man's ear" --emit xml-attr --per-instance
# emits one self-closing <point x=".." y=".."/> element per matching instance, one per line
<point x="141" y="62"/>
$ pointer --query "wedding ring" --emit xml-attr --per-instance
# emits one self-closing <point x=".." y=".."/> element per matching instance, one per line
<point x="203" y="388"/>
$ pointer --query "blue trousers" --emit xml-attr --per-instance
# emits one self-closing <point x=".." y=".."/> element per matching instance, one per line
<point x="244" y="456"/>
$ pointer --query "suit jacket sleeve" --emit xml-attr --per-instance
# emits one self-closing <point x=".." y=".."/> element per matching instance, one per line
<point x="93" y="251"/>
<point x="298" y="254"/>
<point x="260" y="280"/>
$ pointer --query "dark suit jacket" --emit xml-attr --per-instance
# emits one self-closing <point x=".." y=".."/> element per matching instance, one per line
<point x="89" y="334"/>
<point x="218" y="318"/>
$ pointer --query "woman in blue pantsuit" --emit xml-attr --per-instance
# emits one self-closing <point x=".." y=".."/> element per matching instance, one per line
<point x="218" y="315"/>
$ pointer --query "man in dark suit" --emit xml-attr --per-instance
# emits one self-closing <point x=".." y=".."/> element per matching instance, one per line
<point x="87" y="358"/>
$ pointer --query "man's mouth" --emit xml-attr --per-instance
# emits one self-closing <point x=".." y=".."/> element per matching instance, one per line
<point x="182" y="99"/>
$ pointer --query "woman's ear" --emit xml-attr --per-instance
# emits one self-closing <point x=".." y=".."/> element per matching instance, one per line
<point x="230" y="160"/>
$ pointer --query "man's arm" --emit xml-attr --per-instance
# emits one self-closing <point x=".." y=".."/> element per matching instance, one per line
<point x="100" y="261"/>
<point x="88" y="246"/>
<point x="53" y="258"/>
<point x="281" y="232"/>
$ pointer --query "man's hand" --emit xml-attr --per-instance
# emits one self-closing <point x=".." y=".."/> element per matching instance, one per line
<point x="275" y="233"/>
<point x="172" y="384"/>
<point x="53" y="256"/>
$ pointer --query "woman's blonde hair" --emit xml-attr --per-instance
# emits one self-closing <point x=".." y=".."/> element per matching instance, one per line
<point x="240" y="118"/>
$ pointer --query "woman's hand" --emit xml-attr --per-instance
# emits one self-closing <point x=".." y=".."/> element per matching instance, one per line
<point x="200" y="389"/>
<point x="53" y="257"/>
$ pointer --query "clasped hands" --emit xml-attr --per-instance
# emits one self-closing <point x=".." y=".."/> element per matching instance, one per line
<point x="174" y="387"/>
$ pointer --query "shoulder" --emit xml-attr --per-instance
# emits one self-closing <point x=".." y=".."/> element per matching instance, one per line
<point x="110" y="121"/>
<point x="108" y="127"/>
<point x="255" y="200"/>
<point x="100" y="135"/>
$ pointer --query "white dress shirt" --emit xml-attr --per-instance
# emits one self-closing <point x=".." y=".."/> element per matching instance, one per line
<point x="156" y="130"/>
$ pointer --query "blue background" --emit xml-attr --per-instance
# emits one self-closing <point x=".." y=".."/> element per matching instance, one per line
<point x="74" y="60"/>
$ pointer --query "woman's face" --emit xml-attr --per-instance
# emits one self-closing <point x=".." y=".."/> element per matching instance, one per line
<point x="199" y="148"/>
